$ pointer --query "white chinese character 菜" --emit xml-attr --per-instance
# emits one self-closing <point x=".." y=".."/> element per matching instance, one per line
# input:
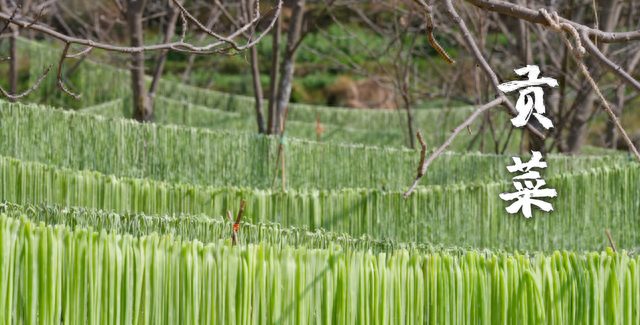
<point x="526" y="194"/>
<point x="526" y="104"/>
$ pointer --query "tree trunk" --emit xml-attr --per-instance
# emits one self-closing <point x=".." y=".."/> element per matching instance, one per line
<point x="255" y="71"/>
<point x="525" y="54"/>
<point x="611" y="139"/>
<point x="13" y="52"/>
<point x="612" y="131"/>
<point x="273" y="78"/>
<point x="13" y="64"/>
<point x="407" y="103"/>
<point x="288" y="63"/>
<point x="142" y="110"/>
<point x="586" y="96"/>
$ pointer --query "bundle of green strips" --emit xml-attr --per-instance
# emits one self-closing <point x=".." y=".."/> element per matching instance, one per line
<point x="196" y="156"/>
<point x="54" y="274"/>
<point x="452" y="215"/>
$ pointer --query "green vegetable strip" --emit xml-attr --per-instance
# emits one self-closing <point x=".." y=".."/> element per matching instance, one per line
<point x="471" y="215"/>
<point x="171" y="278"/>
<point x="196" y="156"/>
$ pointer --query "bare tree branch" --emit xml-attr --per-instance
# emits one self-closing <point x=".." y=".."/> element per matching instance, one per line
<point x="37" y="83"/>
<point x="60" y="84"/>
<point x="430" y="27"/>
<point x="534" y="16"/>
<point x="555" y="24"/>
<point x="607" y="64"/>
<point x="223" y="45"/>
<point x="180" y="46"/>
<point x="422" y="169"/>
<point x="475" y="51"/>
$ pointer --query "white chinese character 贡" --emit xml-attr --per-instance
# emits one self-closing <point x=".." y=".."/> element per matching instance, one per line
<point x="525" y="195"/>
<point x="526" y="104"/>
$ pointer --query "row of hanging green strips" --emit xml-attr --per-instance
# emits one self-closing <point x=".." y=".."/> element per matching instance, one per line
<point x="461" y="215"/>
<point x="198" y="156"/>
<point x="63" y="275"/>
<point x="172" y="112"/>
<point x="208" y="229"/>
<point x="371" y="127"/>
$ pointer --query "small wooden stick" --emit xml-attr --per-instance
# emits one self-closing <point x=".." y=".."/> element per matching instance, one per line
<point x="236" y="225"/>
<point x="633" y="251"/>
<point x="240" y="212"/>
<point x="611" y="241"/>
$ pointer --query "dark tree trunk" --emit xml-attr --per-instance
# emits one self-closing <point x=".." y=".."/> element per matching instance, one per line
<point x="288" y="63"/>
<point x="13" y="52"/>
<point x="525" y="54"/>
<point x="612" y="131"/>
<point x="586" y="96"/>
<point x="611" y="139"/>
<point x="142" y="109"/>
<point x="273" y="78"/>
<point x="13" y="64"/>
<point x="255" y="71"/>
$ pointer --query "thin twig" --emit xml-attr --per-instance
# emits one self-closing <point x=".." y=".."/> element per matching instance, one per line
<point x="422" y="169"/>
<point x="10" y="20"/>
<point x="37" y="17"/>
<point x="633" y="251"/>
<point x="229" y="40"/>
<point x="60" y="83"/>
<point x="430" y="27"/>
<point x="608" y="64"/>
<point x="184" y="27"/>
<point x="236" y="225"/>
<point x="71" y="56"/>
<point x="35" y="85"/>
<point x="611" y="241"/>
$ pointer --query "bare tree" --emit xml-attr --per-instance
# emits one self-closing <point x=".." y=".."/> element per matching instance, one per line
<point x="255" y="72"/>
<point x="142" y="108"/>
<point x="13" y="58"/>
<point x="588" y="91"/>
<point x="273" y="77"/>
<point x="250" y="9"/>
<point x="224" y="45"/>
<point x="288" y="61"/>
